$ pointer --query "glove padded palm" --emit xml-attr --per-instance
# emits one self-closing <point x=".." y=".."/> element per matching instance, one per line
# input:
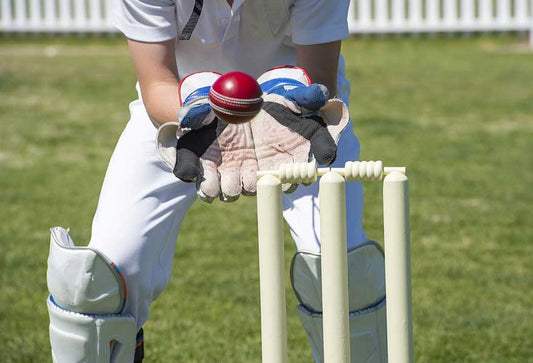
<point x="297" y="123"/>
<point x="201" y="148"/>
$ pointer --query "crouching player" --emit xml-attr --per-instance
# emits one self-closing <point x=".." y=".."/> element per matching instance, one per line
<point x="174" y="149"/>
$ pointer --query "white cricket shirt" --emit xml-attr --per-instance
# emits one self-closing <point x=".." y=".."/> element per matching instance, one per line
<point x="251" y="36"/>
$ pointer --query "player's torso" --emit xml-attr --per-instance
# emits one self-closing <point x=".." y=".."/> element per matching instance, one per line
<point x="251" y="36"/>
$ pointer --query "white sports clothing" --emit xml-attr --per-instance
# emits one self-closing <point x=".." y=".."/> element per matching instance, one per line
<point x="366" y="290"/>
<point x="251" y="36"/>
<point x="87" y="298"/>
<point x="142" y="204"/>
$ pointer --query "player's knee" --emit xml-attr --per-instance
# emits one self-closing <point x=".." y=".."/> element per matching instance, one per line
<point x="83" y="280"/>
<point x="87" y="297"/>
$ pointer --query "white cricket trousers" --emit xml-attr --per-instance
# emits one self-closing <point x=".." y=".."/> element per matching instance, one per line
<point x="142" y="206"/>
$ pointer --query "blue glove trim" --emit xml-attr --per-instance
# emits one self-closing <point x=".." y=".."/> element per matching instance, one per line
<point x="201" y="92"/>
<point x="276" y="85"/>
<point x="312" y="97"/>
<point x="192" y="117"/>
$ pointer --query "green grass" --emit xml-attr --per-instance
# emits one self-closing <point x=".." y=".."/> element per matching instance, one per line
<point x="458" y="113"/>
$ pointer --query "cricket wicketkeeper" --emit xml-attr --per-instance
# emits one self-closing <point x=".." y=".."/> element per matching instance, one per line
<point x="174" y="149"/>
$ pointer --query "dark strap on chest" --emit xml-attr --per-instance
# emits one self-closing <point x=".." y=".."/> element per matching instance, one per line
<point x="193" y="20"/>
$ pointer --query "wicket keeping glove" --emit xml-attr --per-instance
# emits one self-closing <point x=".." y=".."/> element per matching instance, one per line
<point x="297" y="123"/>
<point x="201" y="148"/>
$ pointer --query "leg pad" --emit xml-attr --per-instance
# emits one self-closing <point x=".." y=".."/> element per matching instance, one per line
<point x="368" y="332"/>
<point x="366" y="290"/>
<point x="85" y="338"/>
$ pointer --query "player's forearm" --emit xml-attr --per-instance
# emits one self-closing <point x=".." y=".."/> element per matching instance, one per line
<point x="157" y="74"/>
<point x="321" y="63"/>
<point x="161" y="101"/>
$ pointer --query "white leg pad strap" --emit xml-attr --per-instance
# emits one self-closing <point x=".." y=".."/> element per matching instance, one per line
<point x="88" y="294"/>
<point x="366" y="289"/>
<point x="368" y="333"/>
<point x="90" y="338"/>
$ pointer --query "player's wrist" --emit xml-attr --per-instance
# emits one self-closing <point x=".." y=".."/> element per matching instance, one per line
<point x="159" y="100"/>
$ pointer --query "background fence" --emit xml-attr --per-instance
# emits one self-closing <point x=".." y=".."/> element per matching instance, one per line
<point x="56" y="16"/>
<point x="365" y="16"/>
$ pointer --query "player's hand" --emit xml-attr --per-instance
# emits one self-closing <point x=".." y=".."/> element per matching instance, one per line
<point x="297" y="123"/>
<point x="201" y="148"/>
<point x="227" y="164"/>
<point x="195" y="111"/>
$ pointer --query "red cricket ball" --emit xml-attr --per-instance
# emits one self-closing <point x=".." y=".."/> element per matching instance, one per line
<point x="235" y="97"/>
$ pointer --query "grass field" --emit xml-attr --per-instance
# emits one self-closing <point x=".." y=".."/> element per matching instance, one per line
<point x="458" y="113"/>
